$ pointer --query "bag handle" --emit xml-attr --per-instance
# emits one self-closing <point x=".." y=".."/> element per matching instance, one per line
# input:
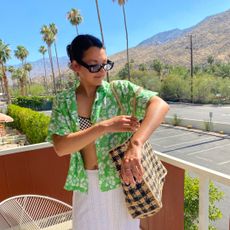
<point x="117" y="98"/>
<point x="134" y="102"/>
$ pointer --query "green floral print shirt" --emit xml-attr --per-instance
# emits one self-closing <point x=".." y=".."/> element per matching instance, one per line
<point x="64" y="120"/>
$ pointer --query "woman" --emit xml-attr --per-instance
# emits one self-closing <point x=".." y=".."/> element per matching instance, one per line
<point x="86" y="123"/>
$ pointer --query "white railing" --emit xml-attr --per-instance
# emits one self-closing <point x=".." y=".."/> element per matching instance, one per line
<point x="205" y="175"/>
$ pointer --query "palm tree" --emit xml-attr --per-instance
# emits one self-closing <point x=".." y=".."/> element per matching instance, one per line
<point x="11" y="69"/>
<point x="28" y="68"/>
<point x="99" y="20"/>
<point x="48" y="38"/>
<point x="157" y="66"/>
<point x="20" y="75"/>
<point x="54" y="29"/>
<point x="75" y="18"/>
<point x="21" y="53"/>
<point x="122" y="3"/>
<point x="1" y="81"/>
<point x="4" y="56"/>
<point x="101" y="29"/>
<point x="43" y="50"/>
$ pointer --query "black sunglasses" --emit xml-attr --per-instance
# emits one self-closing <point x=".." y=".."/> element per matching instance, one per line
<point x="97" y="67"/>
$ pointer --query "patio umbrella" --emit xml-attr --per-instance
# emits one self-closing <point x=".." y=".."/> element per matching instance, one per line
<point x="5" y="118"/>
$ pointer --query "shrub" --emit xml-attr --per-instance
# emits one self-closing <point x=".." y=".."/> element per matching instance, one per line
<point x="204" y="87"/>
<point x="175" y="88"/>
<point x="146" y="80"/>
<point x="191" y="203"/>
<point x="208" y="126"/>
<point x="37" y="103"/>
<point x="176" y="120"/>
<point x="31" y="123"/>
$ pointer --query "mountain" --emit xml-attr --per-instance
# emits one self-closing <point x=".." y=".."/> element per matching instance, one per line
<point x="38" y="66"/>
<point x="210" y="37"/>
<point x="163" y="37"/>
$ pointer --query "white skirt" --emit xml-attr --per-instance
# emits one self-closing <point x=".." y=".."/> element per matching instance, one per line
<point x="101" y="210"/>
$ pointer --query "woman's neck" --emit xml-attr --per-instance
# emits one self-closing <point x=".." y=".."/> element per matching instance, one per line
<point x="86" y="90"/>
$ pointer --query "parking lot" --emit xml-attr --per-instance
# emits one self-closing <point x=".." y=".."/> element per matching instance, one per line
<point x="201" y="148"/>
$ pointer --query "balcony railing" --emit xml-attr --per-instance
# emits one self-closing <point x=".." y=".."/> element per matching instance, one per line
<point x="36" y="169"/>
<point x="205" y="175"/>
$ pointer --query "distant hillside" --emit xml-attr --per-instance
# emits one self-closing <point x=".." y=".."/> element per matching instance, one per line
<point x="38" y="67"/>
<point x="163" y="37"/>
<point x="210" y="37"/>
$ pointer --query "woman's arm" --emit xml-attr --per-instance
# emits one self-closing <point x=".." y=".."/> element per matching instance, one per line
<point x="131" y="164"/>
<point x="74" y="142"/>
<point x="155" y="113"/>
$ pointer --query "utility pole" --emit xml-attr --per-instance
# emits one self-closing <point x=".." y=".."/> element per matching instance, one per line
<point x="191" y="68"/>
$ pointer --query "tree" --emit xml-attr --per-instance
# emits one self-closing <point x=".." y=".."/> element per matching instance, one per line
<point x="75" y="18"/>
<point x="174" y="88"/>
<point x="48" y="38"/>
<point x="210" y="60"/>
<point x="28" y="68"/>
<point x="191" y="203"/>
<point x="123" y="72"/>
<point x="10" y="69"/>
<point x="122" y="3"/>
<point x="21" y="53"/>
<point x="4" y="56"/>
<point x="142" y="67"/>
<point x="157" y="66"/>
<point x="100" y="23"/>
<point x="43" y="50"/>
<point x="223" y="70"/>
<point x="1" y="81"/>
<point x="54" y="30"/>
<point x="101" y="30"/>
<point x="20" y="75"/>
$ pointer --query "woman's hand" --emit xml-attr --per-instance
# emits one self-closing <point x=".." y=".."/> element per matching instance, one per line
<point x="122" y="123"/>
<point x="131" y="169"/>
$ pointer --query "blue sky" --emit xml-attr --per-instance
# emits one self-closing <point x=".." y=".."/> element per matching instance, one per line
<point x="20" y="21"/>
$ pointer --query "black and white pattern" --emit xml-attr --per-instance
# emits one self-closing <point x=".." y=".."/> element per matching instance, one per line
<point x="84" y="122"/>
<point x="143" y="199"/>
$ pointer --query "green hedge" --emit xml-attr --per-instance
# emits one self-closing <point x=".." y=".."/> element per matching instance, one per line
<point x="31" y="123"/>
<point x="37" y="103"/>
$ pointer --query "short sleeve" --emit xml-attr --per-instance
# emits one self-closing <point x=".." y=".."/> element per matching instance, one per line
<point x="142" y="99"/>
<point x="58" y="122"/>
<point x="127" y="91"/>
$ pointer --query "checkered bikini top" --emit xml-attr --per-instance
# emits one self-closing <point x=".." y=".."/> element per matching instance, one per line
<point x="84" y="122"/>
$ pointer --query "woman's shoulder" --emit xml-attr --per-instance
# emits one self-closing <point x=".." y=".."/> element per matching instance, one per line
<point x="65" y="94"/>
<point x="121" y="83"/>
<point x="125" y="85"/>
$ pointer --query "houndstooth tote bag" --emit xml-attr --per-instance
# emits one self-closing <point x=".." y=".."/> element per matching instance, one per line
<point x="142" y="199"/>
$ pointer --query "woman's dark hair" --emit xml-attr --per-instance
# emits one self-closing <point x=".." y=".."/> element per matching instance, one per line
<point x="80" y="44"/>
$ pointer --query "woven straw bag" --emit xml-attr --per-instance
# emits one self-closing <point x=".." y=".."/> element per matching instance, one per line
<point x="142" y="199"/>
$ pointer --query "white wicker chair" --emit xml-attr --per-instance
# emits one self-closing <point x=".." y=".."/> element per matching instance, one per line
<point x="32" y="212"/>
